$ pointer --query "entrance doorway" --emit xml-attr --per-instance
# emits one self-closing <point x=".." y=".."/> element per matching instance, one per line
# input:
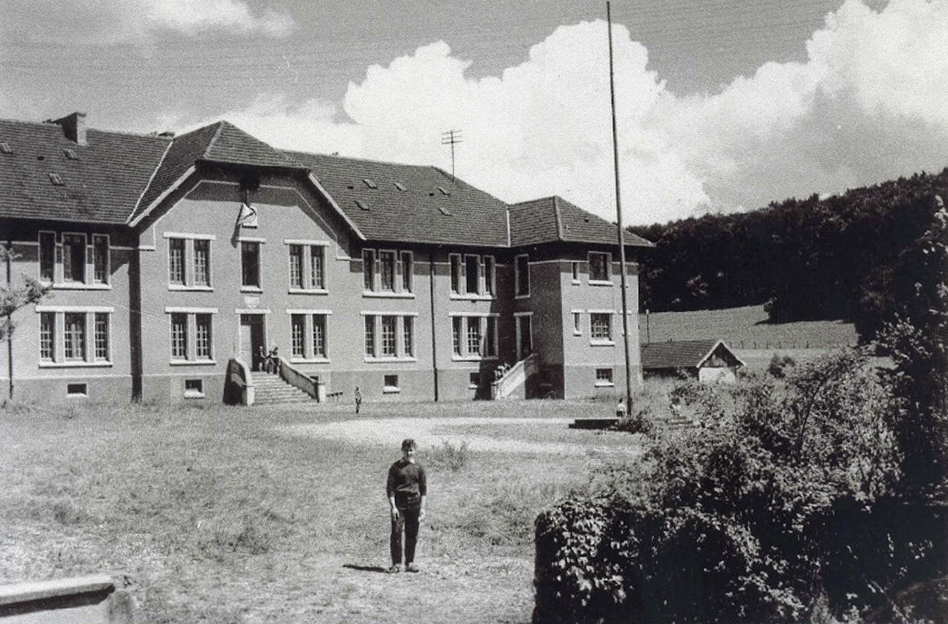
<point x="524" y="335"/>
<point x="252" y="340"/>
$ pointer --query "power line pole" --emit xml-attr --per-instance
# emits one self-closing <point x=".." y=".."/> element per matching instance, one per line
<point x="451" y="137"/>
<point x="615" y="154"/>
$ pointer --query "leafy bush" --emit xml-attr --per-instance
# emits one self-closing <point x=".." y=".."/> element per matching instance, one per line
<point x="448" y="456"/>
<point x="743" y="518"/>
<point x="780" y="365"/>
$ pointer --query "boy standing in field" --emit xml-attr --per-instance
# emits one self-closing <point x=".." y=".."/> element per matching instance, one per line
<point x="407" y="488"/>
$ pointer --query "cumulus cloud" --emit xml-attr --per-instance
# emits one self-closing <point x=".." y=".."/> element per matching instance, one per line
<point x="135" y="21"/>
<point x="867" y="105"/>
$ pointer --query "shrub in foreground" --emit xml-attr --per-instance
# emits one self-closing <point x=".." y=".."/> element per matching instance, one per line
<point x="748" y="517"/>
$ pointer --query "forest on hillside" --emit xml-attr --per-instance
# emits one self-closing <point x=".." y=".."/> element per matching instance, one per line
<point x="842" y="257"/>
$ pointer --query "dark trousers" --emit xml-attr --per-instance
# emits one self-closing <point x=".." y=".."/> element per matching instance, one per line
<point x="408" y="522"/>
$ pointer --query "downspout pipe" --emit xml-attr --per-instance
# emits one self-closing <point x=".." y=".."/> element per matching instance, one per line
<point x="10" y="318"/>
<point x="434" y="338"/>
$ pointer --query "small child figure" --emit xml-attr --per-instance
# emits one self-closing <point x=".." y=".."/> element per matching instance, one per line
<point x="358" y="399"/>
<point x="620" y="409"/>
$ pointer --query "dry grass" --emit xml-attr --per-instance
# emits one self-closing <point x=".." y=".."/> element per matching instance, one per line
<point x="209" y="515"/>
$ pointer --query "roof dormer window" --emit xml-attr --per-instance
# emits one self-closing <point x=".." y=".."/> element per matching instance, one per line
<point x="370" y="183"/>
<point x="5" y="148"/>
<point x="56" y="180"/>
<point x="444" y="211"/>
<point x="71" y="154"/>
<point x="444" y="191"/>
<point x="400" y="186"/>
<point x="361" y="204"/>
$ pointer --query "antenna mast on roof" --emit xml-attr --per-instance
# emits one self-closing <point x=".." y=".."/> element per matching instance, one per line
<point x="451" y="137"/>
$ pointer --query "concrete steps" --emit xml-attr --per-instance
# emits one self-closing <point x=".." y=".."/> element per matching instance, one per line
<point x="272" y="390"/>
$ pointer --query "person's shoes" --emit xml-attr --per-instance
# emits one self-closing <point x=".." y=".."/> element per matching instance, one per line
<point x="412" y="568"/>
<point x="395" y="569"/>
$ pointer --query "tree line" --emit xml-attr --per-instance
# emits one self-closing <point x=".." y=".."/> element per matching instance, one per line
<point x="805" y="259"/>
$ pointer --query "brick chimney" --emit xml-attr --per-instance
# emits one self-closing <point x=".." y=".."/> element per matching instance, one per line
<point x="74" y="127"/>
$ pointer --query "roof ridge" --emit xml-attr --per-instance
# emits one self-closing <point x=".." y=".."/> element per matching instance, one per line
<point x="362" y="160"/>
<point x="217" y="134"/>
<point x="50" y="124"/>
<point x="556" y="217"/>
<point x="151" y="179"/>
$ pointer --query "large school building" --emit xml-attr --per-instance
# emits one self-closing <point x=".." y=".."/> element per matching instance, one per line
<point x="174" y="262"/>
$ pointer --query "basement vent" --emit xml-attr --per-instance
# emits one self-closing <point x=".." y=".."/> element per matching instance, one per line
<point x="5" y="148"/>
<point x="400" y="186"/>
<point x="56" y="180"/>
<point x="370" y="183"/>
<point x="444" y="211"/>
<point x="361" y="204"/>
<point x="71" y="154"/>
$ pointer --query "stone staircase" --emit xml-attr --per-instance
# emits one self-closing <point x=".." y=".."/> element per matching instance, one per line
<point x="272" y="390"/>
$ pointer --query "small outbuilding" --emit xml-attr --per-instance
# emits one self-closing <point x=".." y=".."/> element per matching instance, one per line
<point x="709" y="361"/>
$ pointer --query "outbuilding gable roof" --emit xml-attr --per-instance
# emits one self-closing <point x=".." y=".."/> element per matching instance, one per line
<point x="409" y="203"/>
<point x="100" y="185"/>
<point x="681" y="354"/>
<point x="553" y="219"/>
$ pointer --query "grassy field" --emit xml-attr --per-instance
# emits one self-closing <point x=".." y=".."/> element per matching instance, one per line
<point x="232" y="515"/>
<point x="747" y="329"/>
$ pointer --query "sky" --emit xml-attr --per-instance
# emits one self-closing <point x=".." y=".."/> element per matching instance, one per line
<point x="722" y="105"/>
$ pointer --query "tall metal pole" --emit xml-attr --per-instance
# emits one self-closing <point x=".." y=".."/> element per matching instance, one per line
<point x="622" y="271"/>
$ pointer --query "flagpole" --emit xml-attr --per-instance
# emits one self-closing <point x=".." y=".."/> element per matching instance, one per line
<point x="622" y="271"/>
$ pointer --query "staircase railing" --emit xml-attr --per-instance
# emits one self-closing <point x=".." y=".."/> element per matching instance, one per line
<point x="239" y="383"/>
<point x="515" y="378"/>
<point x="301" y="380"/>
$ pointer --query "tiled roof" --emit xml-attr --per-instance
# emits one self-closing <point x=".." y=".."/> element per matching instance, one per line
<point x="433" y="208"/>
<point x="678" y="354"/>
<point x="220" y="142"/>
<point x="101" y="186"/>
<point x="553" y="219"/>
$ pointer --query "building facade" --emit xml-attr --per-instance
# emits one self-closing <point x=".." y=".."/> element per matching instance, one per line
<point x="169" y="258"/>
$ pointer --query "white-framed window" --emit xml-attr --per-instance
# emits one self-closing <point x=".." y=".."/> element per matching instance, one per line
<point x="202" y="337"/>
<point x="179" y="336"/>
<point x="189" y="261"/>
<point x="176" y="254"/>
<point x="101" y="346"/>
<point x="577" y="323"/>
<point x="522" y="275"/>
<point x="387" y="273"/>
<point x="74" y="258"/>
<point x="408" y="272"/>
<point x="368" y="269"/>
<point x="473" y="275"/>
<point x="77" y="261"/>
<point x="389" y="335"/>
<point x="600" y="326"/>
<point x="604" y="377"/>
<point x="524" y="326"/>
<point x="100" y="259"/>
<point x="47" y="256"/>
<point x="574" y="268"/>
<point x="600" y="266"/>
<point x="390" y="384"/>
<point x="474" y="336"/>
<point x="47" y="339"/>
<point x="308" y="340"/>
<point x="74" y="336"/>
<point x="474" y="380"/>
<point x="250" y="264"/>
<point x="307" y="265"/>
<point x="389" y="332"/>
<point x="192" y="335"/>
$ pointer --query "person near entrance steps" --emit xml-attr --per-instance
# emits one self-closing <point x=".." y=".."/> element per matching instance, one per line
<point x="358" y="399"/>
<point x="620" y="409"/>
<point x="407" y="490"/>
